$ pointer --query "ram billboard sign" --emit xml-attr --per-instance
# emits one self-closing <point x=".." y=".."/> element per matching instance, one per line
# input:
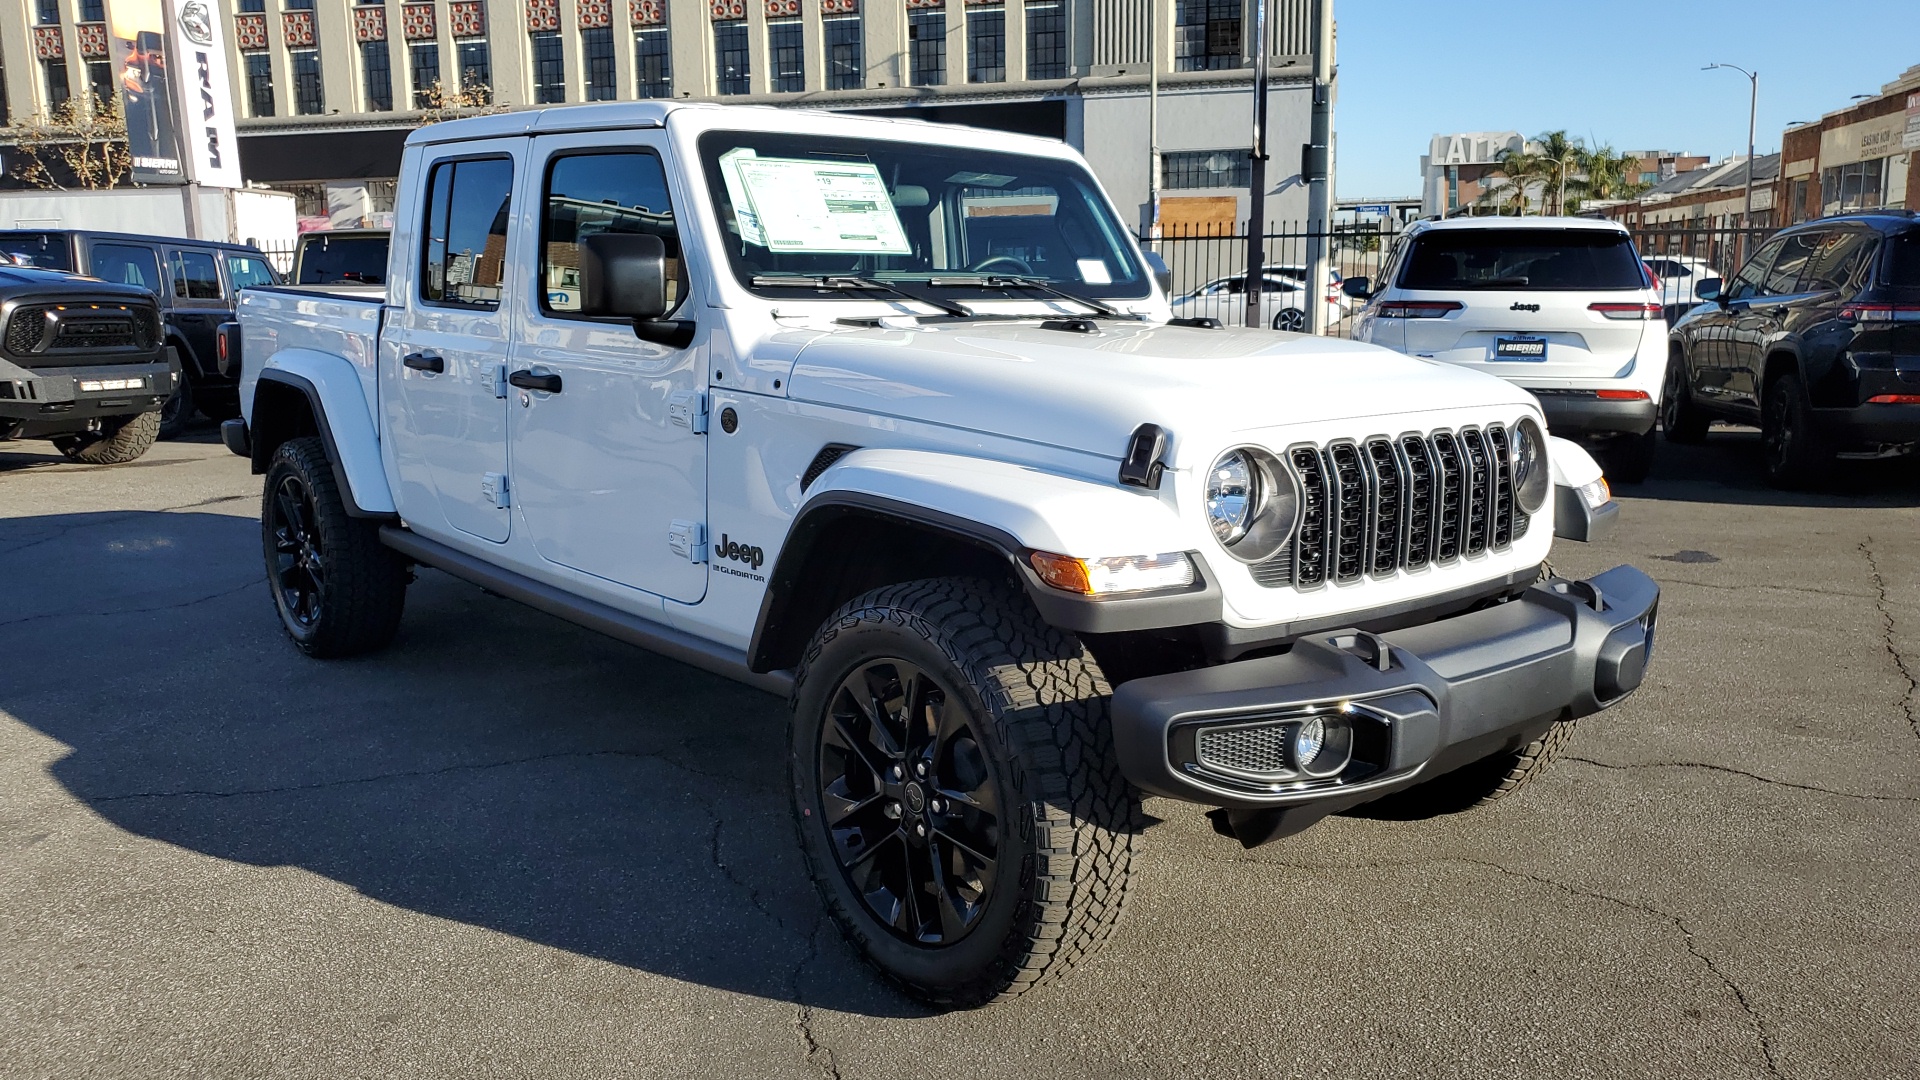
<point x="174" y="88"/>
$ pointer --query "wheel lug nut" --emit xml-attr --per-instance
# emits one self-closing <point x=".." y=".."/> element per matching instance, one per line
<point x="892" y="811"/>
<point x="897" y="773"/>
<point x="919" y="828"/>
<point x="937" y="806"/>
<point x="920" y="768"/>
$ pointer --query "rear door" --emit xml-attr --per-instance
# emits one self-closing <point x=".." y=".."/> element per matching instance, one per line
<point x="606" y="463"/>
<point x="443" y="355"/>
<point x="1525" y="296"/>
<point x="1759" y="316"/>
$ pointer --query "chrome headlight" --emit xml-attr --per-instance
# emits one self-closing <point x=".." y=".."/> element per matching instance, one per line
<point x="1532" y="479"/>
<point x="1253" y="503"/>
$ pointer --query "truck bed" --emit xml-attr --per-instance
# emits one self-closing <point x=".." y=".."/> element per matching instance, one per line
<point x="331" y="320"/>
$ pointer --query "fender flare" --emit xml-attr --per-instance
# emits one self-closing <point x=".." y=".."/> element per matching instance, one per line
<point x="1573" y="469"/>
<point x="968" y="500"/>
<point x="340" y="412"/>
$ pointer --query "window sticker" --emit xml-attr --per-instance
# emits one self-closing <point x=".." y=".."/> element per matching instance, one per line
<point x="1094" y="272"/>
<point x="980" y="179"/>
<point x="743" y="216"/>
<point x="821" y="206"/>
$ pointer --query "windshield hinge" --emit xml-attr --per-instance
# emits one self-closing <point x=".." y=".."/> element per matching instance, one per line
<point x="688" y="409"/>
<point x="1141" y="467"/>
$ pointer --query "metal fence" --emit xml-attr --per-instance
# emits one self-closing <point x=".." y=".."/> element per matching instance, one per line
<point x="280" y="255"/>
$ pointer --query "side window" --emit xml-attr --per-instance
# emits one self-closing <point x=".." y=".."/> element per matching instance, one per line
<point x="1747" y="284"/>
<point x="194" y="275"/>
<point x="245" y="270"/>
<point x="465" y="250"/>
<point x="606" y="192"/>
<point x="1784" y="275"/>
<point x="126" y="264"/>
<point x="1836" y="264"/>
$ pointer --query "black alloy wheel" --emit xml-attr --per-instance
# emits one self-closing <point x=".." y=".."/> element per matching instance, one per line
<point x="299" y="559"/>
<point x="1292" y="320"/>
<point x="912" y="810"/>
<point x="1680" y="419"/>
<point x="1793" y="452"/>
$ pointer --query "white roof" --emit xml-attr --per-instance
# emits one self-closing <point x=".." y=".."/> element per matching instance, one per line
<point x="1531" y="222"/>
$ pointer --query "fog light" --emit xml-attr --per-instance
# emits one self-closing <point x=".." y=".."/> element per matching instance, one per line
<point x="1322" y="746"/>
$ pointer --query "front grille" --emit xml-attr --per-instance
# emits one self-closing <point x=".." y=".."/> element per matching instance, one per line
<point x="1378" y="507"/>
<point x="27" y="328"/>
<point x="81" y="326"/>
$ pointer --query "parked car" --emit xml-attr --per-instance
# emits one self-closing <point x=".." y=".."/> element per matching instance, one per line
<point x="193" y="281"/>
<point x="777" y="394"/>
<point x="341" y="257"/>
<point x="82" y="363"/>
<point x="1560" y="306"/>
<point x="1816" y="340"/>
<point x="1283" y="301"/>
<point x="1675" y="276"/>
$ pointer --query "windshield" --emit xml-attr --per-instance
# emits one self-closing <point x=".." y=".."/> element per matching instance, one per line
<point x="44" y="250"/>
<point x="813" y="207"/>
<point x="333" y="260"/>
<point x="1446" y="260"/>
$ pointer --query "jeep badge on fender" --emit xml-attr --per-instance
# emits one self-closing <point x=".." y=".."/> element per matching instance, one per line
<point x="727" y="549"/>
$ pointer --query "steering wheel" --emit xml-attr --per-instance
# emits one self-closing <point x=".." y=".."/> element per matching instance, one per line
<point x="1020" y="266"/>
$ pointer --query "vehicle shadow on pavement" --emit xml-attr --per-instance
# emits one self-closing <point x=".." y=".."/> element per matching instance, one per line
<point x="495" y="766"/>
<point x="1726" y="469"/>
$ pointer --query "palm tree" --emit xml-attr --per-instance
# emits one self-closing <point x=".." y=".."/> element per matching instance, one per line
<point x="1604" y="174"/>
<point x="1560" y="158"/>
<point x="1523" y="170"/>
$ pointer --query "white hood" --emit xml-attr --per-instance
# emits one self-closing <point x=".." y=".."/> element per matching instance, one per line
<point x="1088" y="392"/>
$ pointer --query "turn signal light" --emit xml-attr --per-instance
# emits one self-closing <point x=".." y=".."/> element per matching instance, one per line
<point x="1418" y="309"/>
<point x="1894" y="399"/>
<point x="1118" y="574"/>
<point x="1622" y="395"/>
<point x="1641" y="312"/>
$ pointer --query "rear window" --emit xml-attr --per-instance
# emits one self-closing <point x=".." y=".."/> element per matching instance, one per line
<point x="1523" y="259"/>
<point x="1903" y="260"/>
<point x="47" y="252"/>
<point x="334" y="260"/>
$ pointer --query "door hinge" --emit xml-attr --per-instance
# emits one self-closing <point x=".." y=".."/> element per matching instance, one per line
<point x="688" y="409"/>
<point x="688" y="539"/>
<point x="493" y="488"/>
<point x="500" y="380"/>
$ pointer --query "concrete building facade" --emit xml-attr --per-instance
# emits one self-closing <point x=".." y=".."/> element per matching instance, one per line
<point x="1456" y="169"/>
<point x="1856" y="158"/>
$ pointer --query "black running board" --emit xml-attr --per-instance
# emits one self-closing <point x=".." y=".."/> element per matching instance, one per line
<point x="632" y="629"/>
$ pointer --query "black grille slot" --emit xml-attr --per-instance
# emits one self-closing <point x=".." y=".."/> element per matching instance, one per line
<point x="1349" y="503"/>
<point x="27" y="328"/>
<point x="822" y="461"/>
<point x="1448" y="521"/>
<point x="1310" y="543"/>
<point x="1479" y="478"/>
<point x="1383" y="546"/>
<point x="1502" y="485"/>
<point x="1420" y="501"/>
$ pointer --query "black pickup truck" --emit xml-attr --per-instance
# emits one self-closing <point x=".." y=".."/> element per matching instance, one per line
<point x="82" y="362"/>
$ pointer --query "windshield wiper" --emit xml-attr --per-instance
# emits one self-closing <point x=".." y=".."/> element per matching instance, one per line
<point x="997" y="281"/>
<point x="853" y="282"/>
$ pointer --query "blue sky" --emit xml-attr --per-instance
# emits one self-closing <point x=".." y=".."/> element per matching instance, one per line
<point x="1625" y="72"/>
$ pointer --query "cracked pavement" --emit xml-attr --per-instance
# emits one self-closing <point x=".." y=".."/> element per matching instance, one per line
<point x="507" y="847"/>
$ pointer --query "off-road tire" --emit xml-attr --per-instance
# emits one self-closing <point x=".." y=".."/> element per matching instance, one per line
<point x="1629" y="458"/>
<point x="1792" y="451"/>
<point x="1068" y="821"/>
<point x="178" y="411"/>
<point x="365" y="586"/>
<point x="1682" y="421"/>
<point x="1488" y="780"/>
<point x="122" y="440"/>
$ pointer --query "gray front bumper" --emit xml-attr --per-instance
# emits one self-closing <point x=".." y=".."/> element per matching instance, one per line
<point x="1422" y="700"/>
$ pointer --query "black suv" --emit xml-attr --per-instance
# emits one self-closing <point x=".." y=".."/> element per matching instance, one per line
<point x="195" y="282"/>
<point x="1816" y="339"/>
<point x="82" y="363"/>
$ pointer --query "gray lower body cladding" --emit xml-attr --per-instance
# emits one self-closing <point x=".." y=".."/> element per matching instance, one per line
<point x="1416" y="702"/>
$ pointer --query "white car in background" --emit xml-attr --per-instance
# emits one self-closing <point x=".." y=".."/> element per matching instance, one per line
<point x="1560" y="306"/>
<point x="1675" y="276"/>
<point x="1283" y="300"/>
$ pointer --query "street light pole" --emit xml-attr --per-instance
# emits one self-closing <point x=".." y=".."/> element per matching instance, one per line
<point x="1257" y="182"/>
<point x="1153" y="124"/>
<point x="1753" y="107"/>
<point x="1316" y="168"/>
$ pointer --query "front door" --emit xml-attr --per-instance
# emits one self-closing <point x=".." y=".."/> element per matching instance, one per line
<point x="200" y="303"/>
<point x="605" y="465"/>
<point x="444" y="351"/>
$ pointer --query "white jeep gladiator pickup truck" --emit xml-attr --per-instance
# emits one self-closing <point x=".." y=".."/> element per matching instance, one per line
<point x="891" y="419"/>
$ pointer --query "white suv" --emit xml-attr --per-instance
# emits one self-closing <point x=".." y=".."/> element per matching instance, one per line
<point x="1560" y="306"/>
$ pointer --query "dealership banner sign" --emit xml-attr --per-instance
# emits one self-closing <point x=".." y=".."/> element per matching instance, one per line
<point x="175" y="91"/>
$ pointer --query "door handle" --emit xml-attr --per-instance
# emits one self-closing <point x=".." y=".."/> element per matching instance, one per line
<point x="529" y="380"/>
<point x="424" y="362"/>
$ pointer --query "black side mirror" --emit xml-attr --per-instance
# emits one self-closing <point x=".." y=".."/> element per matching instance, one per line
<point x="1707" y="288"/>
<point x="1162" y="274"/>
<point x="1356" y="287"/>
<point x="624" y="276"/>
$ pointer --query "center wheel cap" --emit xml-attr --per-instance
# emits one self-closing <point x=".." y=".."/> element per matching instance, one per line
<point x="916" y="799"/>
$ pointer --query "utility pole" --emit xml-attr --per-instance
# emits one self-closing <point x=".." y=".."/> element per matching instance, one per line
<point x="1257" y="182"/>
<point x="1753" y="107"/>
<point x="1316" y="168"/>
<point x="1153" y="124"/>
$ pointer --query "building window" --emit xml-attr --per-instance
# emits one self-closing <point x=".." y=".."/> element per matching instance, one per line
<point x="730" y="56"/>
<point x="308" y="98"/>
<point x="652" y="62"/>
<point x="100" y="77"/>
<point x="927" y="46"/>
<point x="58" y="92"/>
<point x="596" y="49"/>
<point x="1206" y="34"/>
<point x="1046" y="39"/>
<point x="377" y="73"/>
<point x="259" y="74"/>
<point x="1859" y="186"/>
<point x="476" y="69"/>
<point x="787" y="55"/>
<point x="93" y="10"/>
<point x="424" y="60"/>
<point x="986" y="44"/>
<point x="299" y="5"/>
<point x="1207" y="169"/>
<point x="49" y="11"/>
<point x="252" y="6"/>
<point x="846" y="60"/>
<point x="549" y="68"/>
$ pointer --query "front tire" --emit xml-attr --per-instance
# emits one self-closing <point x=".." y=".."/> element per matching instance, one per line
<point x="179" y="408"/>
<point x="956" y="792"/>
<point x="1794" y="454"/>
<point x="1681" y="420"/>
<point x="337" y="589"/>
<point x="114" y="445"/>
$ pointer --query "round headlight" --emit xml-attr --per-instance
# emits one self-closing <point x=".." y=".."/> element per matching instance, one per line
<point x="1233" y="494"/>
<point x="1531" y="476"/>
<point x="1253" y="503"/>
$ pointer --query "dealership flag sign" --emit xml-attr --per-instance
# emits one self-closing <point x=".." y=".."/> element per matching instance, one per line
<point x="175" y="91"/>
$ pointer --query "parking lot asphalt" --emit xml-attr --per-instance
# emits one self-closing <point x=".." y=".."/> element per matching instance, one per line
<point x="508" y="847"/>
